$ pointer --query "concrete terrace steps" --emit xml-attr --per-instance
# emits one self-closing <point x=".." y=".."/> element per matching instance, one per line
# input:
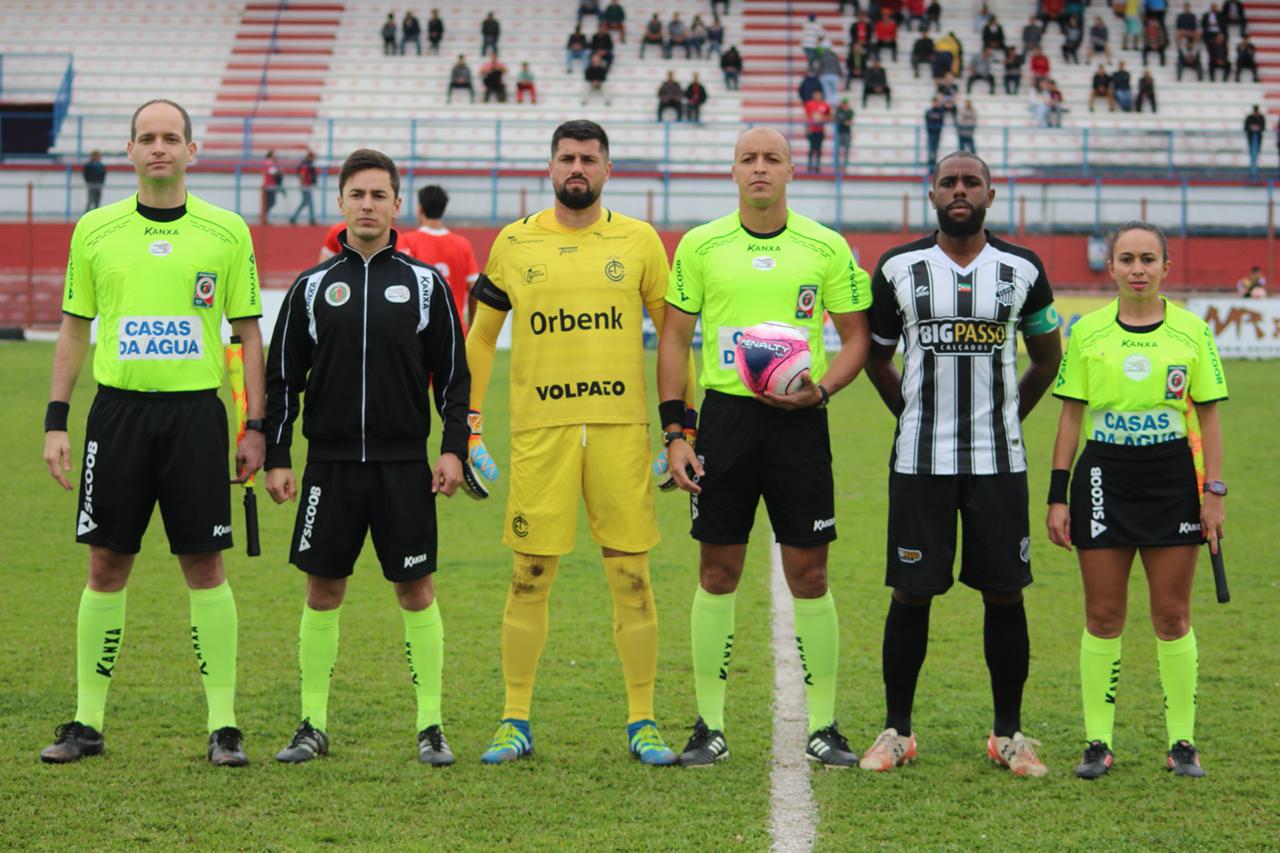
<point x="296" y="42"/>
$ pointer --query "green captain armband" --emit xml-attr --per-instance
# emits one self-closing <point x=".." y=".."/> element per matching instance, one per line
<point x="1043" y="321"/>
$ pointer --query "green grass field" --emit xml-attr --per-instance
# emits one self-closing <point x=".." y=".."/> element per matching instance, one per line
<point x="581" y="790"/>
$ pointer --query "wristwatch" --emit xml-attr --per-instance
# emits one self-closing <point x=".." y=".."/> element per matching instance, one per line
<point x="256" y="424"/>
<point x="826" y="396"/>
<point x="668" y="437"/>
<point x="1215" y="487"/>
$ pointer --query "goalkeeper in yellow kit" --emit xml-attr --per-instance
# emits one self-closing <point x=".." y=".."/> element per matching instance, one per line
<point x="576" y="279"/>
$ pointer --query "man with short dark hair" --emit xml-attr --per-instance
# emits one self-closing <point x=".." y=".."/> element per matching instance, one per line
<point x="921" y="53"/>
<point x="695" y="95"/>
<point x="980" y="69"/>
<point x="1255" y="125"/>
<point x="1246" y="58"/>
<point x="1101" y="88"/>
<point x="576" y="279"/>
<point x="1219" y="59"/>
<point x="411" y="29"/>
<point x="596" y="76"/>
<point x="671" y="97"/>
<point x="493" y="74"/>
<point x="95" y="177"/>
<point x="157" y="432"/>
<point x="677" y="36"/>
<point x="731" y="67"/>
<point x="1189" y="57"/>
<point x="366" y="336"/>
<point x="460" y="78"/>
<point x="955" y="300"/>
<point x="306" y="189"/>
<point x="652" y="35"/>
<point x="935" y="118"/>
<point x="1122" y="87"/>
<point x="490" y="30"/>
<point x="876" y="82"/>
<point x="449" y="252"/>
<point x="435" y="32"/>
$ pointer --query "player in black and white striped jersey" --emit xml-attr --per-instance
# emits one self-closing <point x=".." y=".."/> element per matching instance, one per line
<point x="956" y="300"/>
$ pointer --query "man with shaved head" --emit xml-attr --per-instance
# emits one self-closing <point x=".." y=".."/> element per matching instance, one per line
<point x="159" y="270"/>
<point x="762" y="262"/>
<point x="956" y="300"/>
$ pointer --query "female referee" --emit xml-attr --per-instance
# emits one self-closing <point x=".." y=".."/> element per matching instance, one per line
<point x="1135" y="366"/>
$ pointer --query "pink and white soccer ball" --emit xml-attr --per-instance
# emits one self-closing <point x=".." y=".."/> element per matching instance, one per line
<point x="773" y="357"/>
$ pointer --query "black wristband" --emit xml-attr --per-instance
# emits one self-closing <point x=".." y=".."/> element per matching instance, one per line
<point x="1058" y="480"/>
<point x="826" y="396"/>
<point x="55" y="416"/>
<point x="671" y="412"/>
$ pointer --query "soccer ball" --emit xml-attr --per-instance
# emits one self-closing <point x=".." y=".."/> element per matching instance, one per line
<point x="773" y="357"/>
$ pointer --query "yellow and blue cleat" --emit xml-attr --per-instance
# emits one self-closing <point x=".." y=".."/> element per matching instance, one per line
<point x="510" y="742"/>
<point x="647" y="745"/>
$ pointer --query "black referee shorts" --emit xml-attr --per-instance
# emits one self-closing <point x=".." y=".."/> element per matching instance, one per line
<point x="751" y="450"/>
<point x="342" y="501"/>
<point x="141" y="448"/>
<point x="1123" y="496"/>
<point x="992" y="509"/>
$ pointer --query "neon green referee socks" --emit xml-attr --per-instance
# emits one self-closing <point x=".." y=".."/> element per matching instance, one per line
<point x="1179" y="666"/>
<point x="818" y="639"/>
<point x="317" y="655"/>
<point x="711" y="632"/>
<point x="213" y="636"/>
<point x="99" y="635"/>
<point x="424" y="647"/>
<point x="1099" y="676"/>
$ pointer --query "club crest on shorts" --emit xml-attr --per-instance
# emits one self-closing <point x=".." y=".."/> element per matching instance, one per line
<point x="337" y="293"/>
<point x="910" y="555"/>
<point x="206" y="285"/>
<point x="806" y="300"/>
<point x="1175" y="382"/>
<point x="1024" y="549"/>
<point x="520" y="526"/>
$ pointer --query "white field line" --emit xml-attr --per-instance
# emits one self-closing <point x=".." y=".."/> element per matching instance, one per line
<point x="793" y="816"/>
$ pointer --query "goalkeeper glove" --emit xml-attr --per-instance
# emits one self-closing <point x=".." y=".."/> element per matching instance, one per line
<point x="661" y="467"/>
<point x="480" y="467"/>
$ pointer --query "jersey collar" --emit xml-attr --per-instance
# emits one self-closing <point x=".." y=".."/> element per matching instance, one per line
<point x="160" y="214"/>
<point x="382" y="254"/>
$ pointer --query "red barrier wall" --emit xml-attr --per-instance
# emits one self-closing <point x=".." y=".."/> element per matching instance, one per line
<point x="32" y="259"/>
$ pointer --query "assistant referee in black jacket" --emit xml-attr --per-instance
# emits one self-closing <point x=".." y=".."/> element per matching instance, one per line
<point x="365" y="335"/>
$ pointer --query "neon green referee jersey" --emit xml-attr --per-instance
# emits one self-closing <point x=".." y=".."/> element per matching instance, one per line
<point x="736" y="279"/>
<point x="1140" y="382"/>
<point x="159" y="291"/>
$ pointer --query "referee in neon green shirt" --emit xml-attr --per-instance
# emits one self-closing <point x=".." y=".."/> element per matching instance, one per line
<point x="761" y="262"/>
<point x="159" y="271"/>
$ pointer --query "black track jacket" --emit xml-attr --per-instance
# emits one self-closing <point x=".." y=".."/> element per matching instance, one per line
<point x="365" y="341"/>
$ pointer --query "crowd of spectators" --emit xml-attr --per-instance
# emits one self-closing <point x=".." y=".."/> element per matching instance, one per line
<point x="592" y="49"/>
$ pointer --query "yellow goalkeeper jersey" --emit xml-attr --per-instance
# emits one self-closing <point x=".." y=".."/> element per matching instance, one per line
<point x="576" y="298"/>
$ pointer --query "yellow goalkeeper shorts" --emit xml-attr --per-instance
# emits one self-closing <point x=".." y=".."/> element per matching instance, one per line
<point x="554" y="468"/>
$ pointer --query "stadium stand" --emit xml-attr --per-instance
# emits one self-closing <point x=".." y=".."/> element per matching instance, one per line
<point x="286" y="76"/>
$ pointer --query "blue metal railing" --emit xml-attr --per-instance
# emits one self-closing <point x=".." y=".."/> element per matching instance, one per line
<point x="62" y="101"/>
<point x="1080" y="206"/>
<point x="38" y="67"/>
<point x="682" y="147"/>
